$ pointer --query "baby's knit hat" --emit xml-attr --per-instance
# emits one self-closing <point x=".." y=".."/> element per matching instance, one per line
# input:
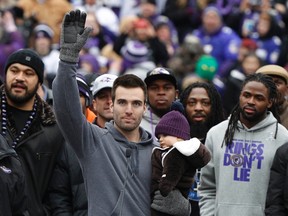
<point x="29" y="58"/>
<point x="174" y="123"/>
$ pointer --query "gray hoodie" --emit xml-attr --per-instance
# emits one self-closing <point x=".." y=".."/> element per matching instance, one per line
<point x="117" y="173"/>
<point x="235" y="181"/>
<point x="149" y="122"/>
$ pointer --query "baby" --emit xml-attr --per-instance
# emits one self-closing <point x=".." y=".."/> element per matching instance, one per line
<point x="174" y="163"/>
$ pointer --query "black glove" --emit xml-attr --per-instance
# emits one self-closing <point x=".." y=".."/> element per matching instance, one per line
<point x="173" y="204"/>
<point x="73" y="36"/>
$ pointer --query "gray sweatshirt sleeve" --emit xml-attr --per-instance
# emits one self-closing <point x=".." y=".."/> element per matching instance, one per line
<point x="72" y="122"/>
<point x="207" y="188"/>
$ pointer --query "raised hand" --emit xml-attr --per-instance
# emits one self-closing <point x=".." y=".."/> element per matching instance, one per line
<point x="73" y="35"/>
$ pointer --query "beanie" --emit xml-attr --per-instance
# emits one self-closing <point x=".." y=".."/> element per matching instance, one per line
<point x="84" y="88"/>
<point x="29" y="58"/>
<point x="135" y="52"/>
<point x="43" y="31"/>
<point x="206" y="67"/>
<point x="91" y="60"/>
<point x="174" y="123"/>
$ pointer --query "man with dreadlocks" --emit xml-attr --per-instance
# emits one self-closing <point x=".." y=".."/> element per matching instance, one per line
<point x="203" y="110"/>
<point x="235" y="181"/>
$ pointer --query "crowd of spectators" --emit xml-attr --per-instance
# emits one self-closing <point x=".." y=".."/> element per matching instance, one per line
<point x="135" y="36"/>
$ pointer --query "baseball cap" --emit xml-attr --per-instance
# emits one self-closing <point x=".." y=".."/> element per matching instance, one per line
<point x="103" y="81"/>
<point x="160" y="73"/>
<point x="274" y="70"/>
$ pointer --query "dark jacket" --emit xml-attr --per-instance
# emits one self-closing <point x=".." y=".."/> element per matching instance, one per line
<point x="171" y="169"/>
<point x="37" y="152"/>
<point x="67" y="195"/>
<point x="277" y="194"/>
<point x="12" y="182"/>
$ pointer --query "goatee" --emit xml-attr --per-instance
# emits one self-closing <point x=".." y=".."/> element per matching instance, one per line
<point x="199" y="130"/>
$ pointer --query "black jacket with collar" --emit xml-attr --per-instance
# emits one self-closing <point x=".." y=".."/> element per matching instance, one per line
<point x="67" y="195"/>
<point x="12" y="182"/>
<point x="37" y="151"/>
<point x="277" y="194"/>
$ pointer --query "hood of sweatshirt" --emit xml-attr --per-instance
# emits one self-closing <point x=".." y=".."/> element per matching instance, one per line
<point x="146" y="138"/>
<point x="269" y="120"/>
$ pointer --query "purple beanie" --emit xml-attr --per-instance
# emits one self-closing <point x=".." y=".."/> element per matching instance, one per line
<point x="90" y="59"/>
<point x="173" y="123"/>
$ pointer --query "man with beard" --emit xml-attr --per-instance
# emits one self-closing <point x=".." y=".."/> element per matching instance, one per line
<point x="203" y="110"/>
<point x="280" y="78"/>
<point x="161" y="92"/>
<point x="235" y="181"/>
<point x="29" y="125"/>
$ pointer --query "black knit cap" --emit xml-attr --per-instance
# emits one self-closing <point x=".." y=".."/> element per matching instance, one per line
<point x="29" y="58"/>
<point x="174" y="123"/>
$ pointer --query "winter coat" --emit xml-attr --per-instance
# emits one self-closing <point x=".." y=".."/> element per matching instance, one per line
<point x="12" y="182"/>
<point x="172" y="169"/>
<point x="67" y="195"/>
<point x="37" y="152"/>
<point x="277" y="194"/>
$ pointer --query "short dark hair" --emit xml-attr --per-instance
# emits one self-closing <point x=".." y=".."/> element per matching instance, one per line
<point x="129" y="81"/>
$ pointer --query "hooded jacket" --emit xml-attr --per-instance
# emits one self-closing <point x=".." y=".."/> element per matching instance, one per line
<point x="173" y="169"/>
<point x="116" y="172"/>
<point x="12" y="182"/>
<point x="235" y="181"/>
<point x="37" y="151"/>
<point x="149" y="122"/>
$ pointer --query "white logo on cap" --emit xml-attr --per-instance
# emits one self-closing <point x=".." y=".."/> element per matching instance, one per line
<point x="28" y="58"/>
<point x="106" y="79"/>
<point x="159" y="71"/>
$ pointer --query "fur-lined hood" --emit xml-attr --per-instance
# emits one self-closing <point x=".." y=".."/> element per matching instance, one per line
<point x="44" y="117"/>
<point x="45" y="112"/>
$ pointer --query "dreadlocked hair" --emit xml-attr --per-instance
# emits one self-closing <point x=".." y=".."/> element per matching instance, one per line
<point x="268" y="82"/>
<point x="215" y="99"/>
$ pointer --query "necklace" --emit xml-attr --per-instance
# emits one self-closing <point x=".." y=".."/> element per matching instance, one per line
<point x="4" y="120"/>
